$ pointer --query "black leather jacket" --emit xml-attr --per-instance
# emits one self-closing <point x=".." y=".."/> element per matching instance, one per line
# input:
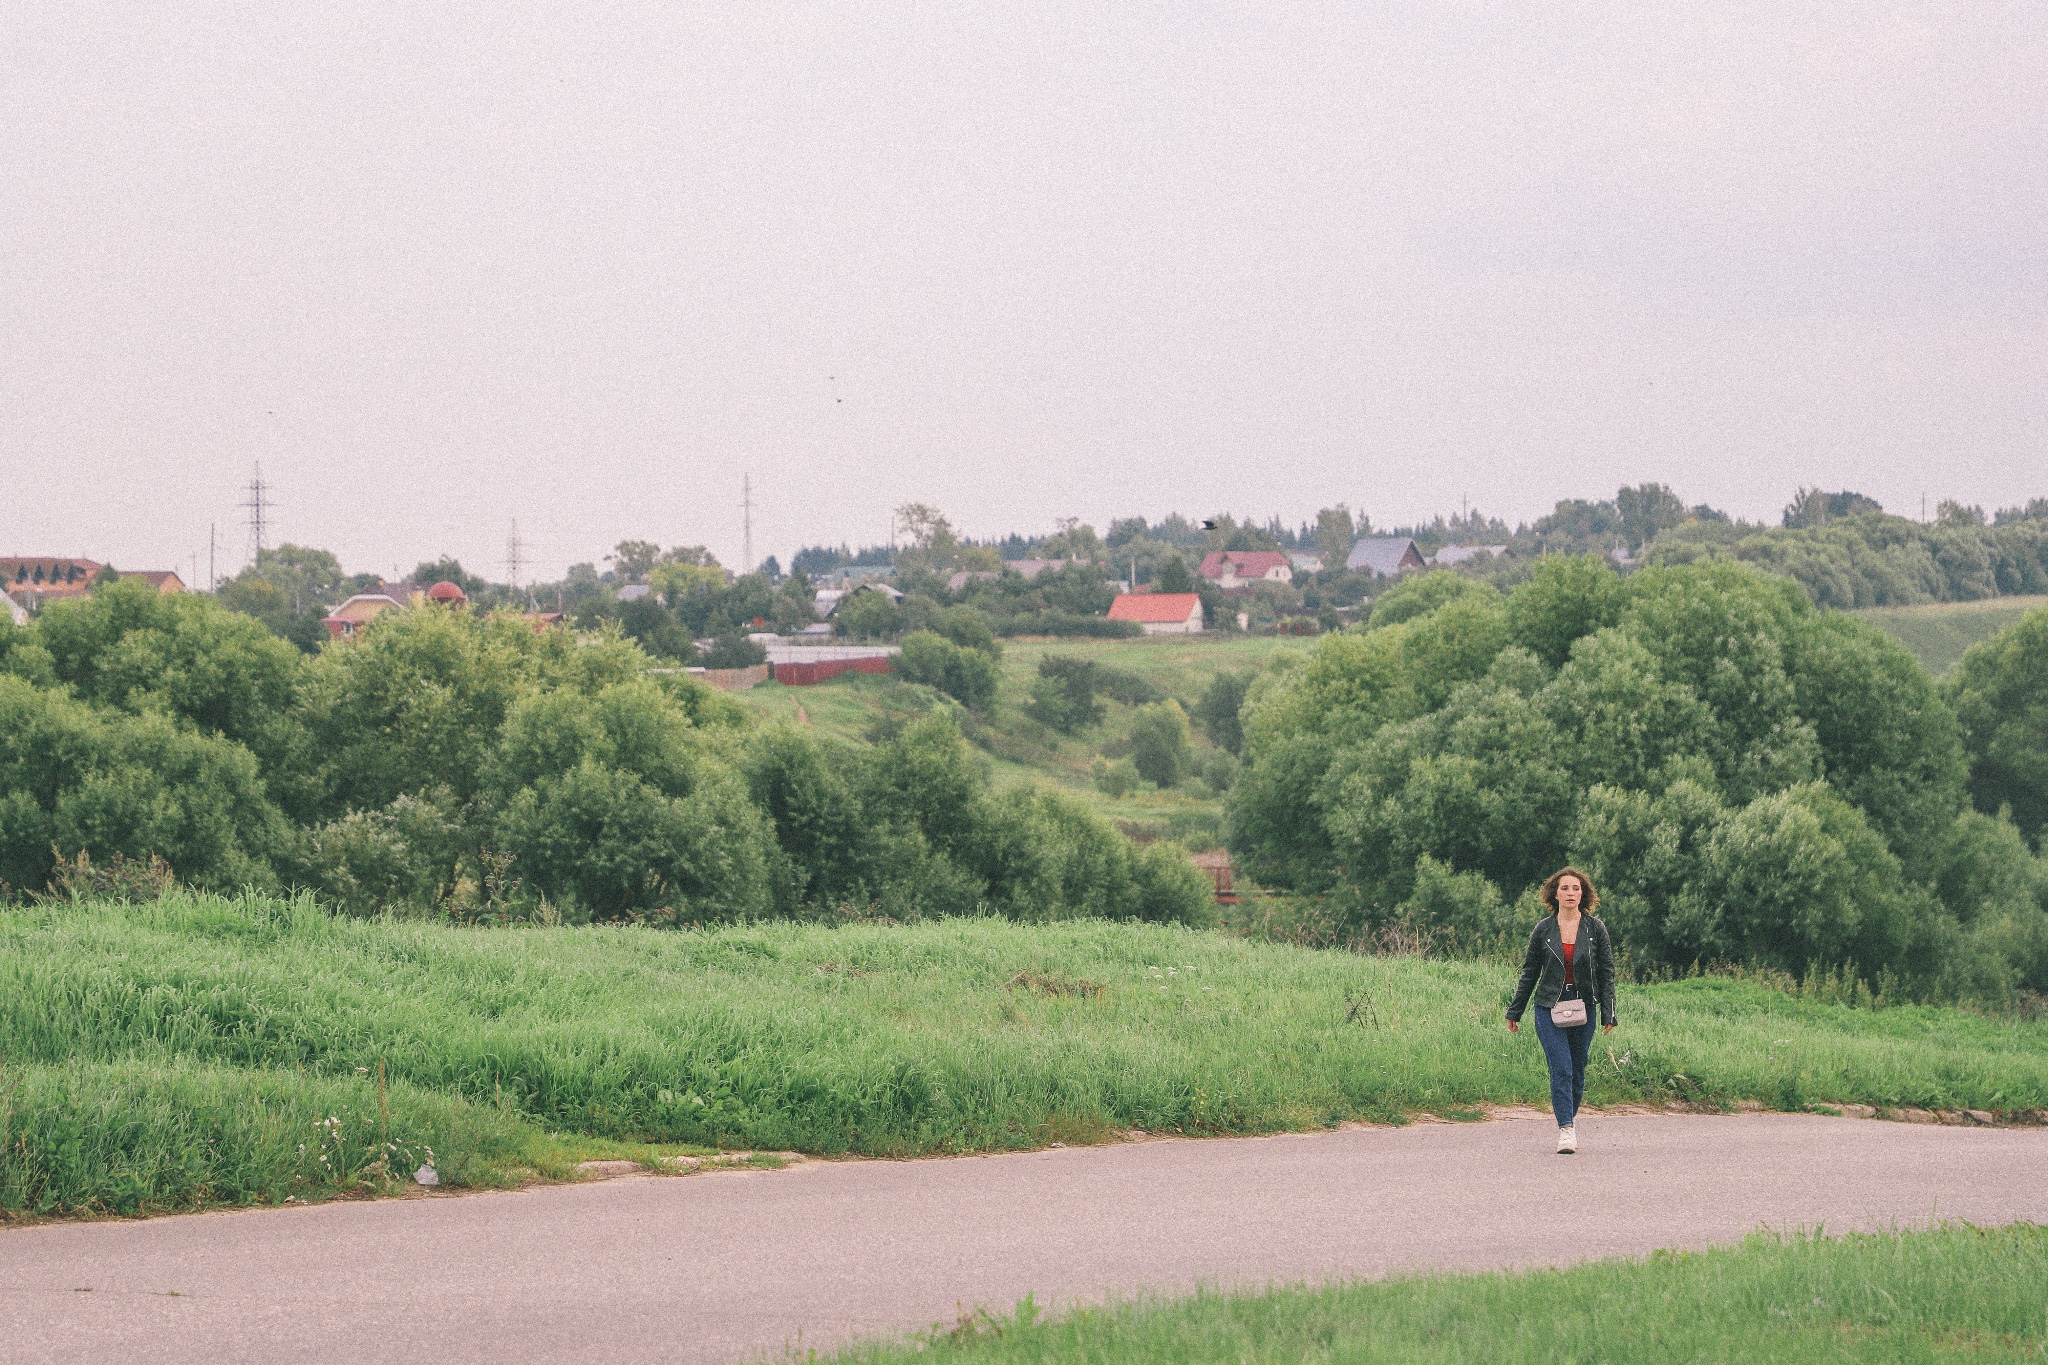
<point x="1543" y="967"/>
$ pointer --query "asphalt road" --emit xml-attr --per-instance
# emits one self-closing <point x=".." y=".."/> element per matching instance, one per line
<point x="734" y="1265"/>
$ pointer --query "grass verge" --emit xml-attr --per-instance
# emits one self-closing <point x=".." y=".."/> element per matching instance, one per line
<point x="1953" y="1293"/>
<point x="138" y="1037"/>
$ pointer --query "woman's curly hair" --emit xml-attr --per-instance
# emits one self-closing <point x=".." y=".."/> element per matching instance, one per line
<point x="1587" y="902"/>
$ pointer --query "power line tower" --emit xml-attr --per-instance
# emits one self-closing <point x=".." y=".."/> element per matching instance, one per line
<point x="515" y="554"/>
<point x="747" y="523"/>
<point x="258" y="507"/>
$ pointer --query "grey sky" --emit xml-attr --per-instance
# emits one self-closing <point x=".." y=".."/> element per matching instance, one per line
<point x="582" y="265"/>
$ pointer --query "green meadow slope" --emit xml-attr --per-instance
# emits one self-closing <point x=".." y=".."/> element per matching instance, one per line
<point x="1939" y="632"/>
<point x="859" y="706"/>
<point x="207" y="1050"/>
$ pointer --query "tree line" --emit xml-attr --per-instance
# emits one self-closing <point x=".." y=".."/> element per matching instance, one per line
<point x="463" y="763"/>
<point x="1745" y="778"/>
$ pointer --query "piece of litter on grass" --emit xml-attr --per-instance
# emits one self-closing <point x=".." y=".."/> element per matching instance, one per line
<point x="427" y="1175"/>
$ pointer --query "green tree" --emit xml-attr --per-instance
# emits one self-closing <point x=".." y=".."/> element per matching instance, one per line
<point x="81" y="779"/>
<point x="633" y="560"/>
<point x="1335" y="534"/>
<point x="289" y="589"/>
<point x="1419" y="594"/>
<point x="1063" y="694"/>
<point x="1645" y="510"/>
<point x="1173" y="575"/>
<point x="1218" y="709"/>
<point x="1567" y="598"/>
<point x="131" y="647"/>
<point x="2000" y="694"/>
<point x="1159" y="743"/>
<point x="867" y="614"/>
<point x="655" y="629"/>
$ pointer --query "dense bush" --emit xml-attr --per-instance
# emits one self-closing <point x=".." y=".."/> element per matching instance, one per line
<point x="2000" y="692"/>
<point x="1747" y="779"/>
<point x="459" y="763"/>
<point x="1063" y="694"/>
<point x="968" y="675"/>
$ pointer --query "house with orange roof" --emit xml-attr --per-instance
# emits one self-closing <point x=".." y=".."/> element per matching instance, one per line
<point x="1160" y="613"/>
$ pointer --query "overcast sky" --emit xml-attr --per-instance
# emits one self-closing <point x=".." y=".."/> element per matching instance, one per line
<point x="583" y="265"/>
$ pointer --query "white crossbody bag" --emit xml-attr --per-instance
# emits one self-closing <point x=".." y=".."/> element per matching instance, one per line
<point x="1568" y="1013"/>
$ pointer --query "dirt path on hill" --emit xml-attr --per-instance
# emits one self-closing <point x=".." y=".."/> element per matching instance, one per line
<point x="728" y="1266"/>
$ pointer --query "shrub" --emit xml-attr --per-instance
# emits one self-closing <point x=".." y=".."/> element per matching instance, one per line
<point x="969" y="676"/>
<point x="733" y="650"/>
<point x="1063" y="623"/>
<point x="1122" y="685"/>
<point x="402" y="857"/>
<point x="967" y="628"/>
<point x="1116" y="779"/>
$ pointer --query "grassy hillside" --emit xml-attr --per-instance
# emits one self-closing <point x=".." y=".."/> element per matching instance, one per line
<point x="202" y="1050"/>
<point x="1954" y="1293"/>
<point x="1939" y="632"/>
<point x="860" y="706"/>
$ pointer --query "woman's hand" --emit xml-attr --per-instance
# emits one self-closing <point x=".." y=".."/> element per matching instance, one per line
<point x="1607" y="1028"/>
<point x="1514" y="1026"/>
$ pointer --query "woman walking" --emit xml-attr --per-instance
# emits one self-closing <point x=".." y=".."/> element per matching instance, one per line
<point x="1569" y="966"/>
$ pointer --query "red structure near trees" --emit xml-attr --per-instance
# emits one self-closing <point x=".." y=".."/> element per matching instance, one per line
<point x="807" y="675"/>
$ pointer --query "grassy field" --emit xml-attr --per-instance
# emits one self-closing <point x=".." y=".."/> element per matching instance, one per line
<point x="178" y="1053"/>
<point x="1939" y="632"/>
<point x="1956" y="1293"/>
<point x="857" y="705"/>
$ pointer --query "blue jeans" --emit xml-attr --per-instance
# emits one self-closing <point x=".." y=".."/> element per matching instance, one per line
<point x="1565" y="1050"/>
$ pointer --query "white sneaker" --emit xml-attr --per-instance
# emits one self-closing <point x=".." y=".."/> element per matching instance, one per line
<point x="1567" y="1141"/>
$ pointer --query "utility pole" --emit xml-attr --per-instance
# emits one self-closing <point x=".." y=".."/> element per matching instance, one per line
<point x="515" y="554"/>
<point x="258" y="508"/>
<point x="746" y="523"/>
<point x="212" y="578"/>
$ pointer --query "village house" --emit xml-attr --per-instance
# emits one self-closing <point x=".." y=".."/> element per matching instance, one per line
<point x="1160" y="613"/>
<point x="1306" y="561"/>
<point x="347" y="621"/>
<point x="1459" y="554"/>
<point x="1240" y="569"/>
<point x="1385" y="555"/>
<point x="31" y="581"/>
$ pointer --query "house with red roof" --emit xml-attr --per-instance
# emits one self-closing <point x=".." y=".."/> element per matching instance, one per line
<point x="349" y="619"/>
<point x="1160" y="613"/>
<point x="1230" y="569"/>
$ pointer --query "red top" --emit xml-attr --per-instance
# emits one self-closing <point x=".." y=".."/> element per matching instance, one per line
<point x="1568" y="964"/>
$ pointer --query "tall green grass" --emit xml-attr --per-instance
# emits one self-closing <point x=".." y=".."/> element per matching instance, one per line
<point x="952" y="1036"/>
<point x="1955" y="1293"/>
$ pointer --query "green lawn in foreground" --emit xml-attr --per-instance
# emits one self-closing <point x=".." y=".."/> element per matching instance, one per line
<point x="1956" y="1293"/>
<point x="1939" y="632"/>
<point x="164" y="1055"/>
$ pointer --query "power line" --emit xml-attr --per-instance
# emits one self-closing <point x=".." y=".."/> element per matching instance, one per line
<point x="747" y="523"/>
<point x="258" y="508"/>
<point x="515" y="554"/>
